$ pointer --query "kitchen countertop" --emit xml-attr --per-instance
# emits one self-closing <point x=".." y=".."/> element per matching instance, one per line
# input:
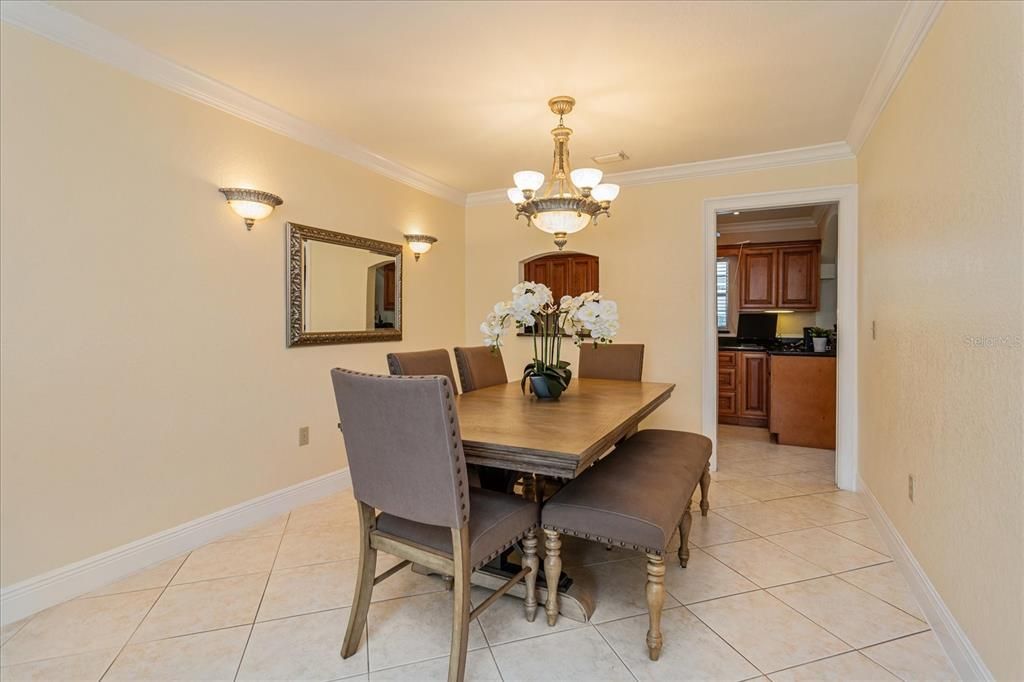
<point x="807" y="353"/>
<point x="797" y="353"/>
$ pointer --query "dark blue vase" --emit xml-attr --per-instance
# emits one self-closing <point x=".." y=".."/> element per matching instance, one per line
<point x="545" y="389"/>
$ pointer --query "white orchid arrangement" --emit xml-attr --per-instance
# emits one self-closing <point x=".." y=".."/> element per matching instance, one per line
<point x="533" y="306"/>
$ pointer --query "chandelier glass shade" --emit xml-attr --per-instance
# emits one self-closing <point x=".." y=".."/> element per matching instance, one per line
<point x="571" y="199"/>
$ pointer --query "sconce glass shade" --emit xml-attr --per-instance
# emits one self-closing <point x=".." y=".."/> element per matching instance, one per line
<point x="515" y="195"/>
<point x="251" y="204"/>
<point x="419" y="244"/>
<point x="529" y="180"/>
<point x="605" y="192"/>
<point x="586" y="177"/>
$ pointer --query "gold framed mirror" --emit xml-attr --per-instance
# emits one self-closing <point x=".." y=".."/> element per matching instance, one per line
<point x="342" y="288"/>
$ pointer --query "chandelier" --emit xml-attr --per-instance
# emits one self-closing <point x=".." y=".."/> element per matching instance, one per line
<point x="572" y="198"/>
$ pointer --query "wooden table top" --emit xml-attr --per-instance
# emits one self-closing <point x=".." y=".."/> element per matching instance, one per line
<point x="503" y="428"/>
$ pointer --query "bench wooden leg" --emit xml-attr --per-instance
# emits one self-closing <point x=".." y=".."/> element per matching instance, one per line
<point x="552" y="572"/>
<point x="655" y="602"/>
<point x="705" y="485"/>
<point x="530" y="561"/>
<point x="684" y="536"/>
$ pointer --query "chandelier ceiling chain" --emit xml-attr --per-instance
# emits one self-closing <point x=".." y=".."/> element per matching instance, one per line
<point x="572" y="199"/>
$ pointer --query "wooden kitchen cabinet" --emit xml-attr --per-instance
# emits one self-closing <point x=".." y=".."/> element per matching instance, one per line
<point x="758" y="273"/>
<point x="753" y="387"/>
<point x="803" y="397"/>
<point x="389" y="286"/>
<point x="726" y="384"/>
<point x="799" y="277"/>
<point x="568" y="274"/>
<point x="743" y="388"/>
<point x="779" y="275"/>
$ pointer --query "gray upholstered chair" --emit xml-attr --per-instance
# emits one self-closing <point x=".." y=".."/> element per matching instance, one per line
<point x="422" y="363"/>
<point x="480" y="367"/>
<point x="622" y="361"/>
<point x="406" y="460"/>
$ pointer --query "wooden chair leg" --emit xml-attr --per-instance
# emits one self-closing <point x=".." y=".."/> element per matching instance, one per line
<point x="364" y="582"/>
<point x="552" y="572"/>
<point x="655" y="602"/>
<point x="460" y="606"/>
<point x="705" y="485"/>
<point x="684" y="536"/>
<point x="530" y="561"/>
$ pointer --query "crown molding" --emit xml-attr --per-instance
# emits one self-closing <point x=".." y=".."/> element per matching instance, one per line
<point x="772" y="225"/>
<point x="74" y="32"/>
<point x="735" y="164"/>
<point x="911" y="29"/>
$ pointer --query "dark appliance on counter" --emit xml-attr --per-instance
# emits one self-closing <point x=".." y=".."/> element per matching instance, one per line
<point x="808" y="344"/>
<point x="757" y="328"/>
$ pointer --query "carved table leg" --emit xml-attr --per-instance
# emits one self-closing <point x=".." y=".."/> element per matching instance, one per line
<point x="552" y="572"/>
<point x="684" y="536"/>
<point x="530" y="561"/>
<point x="655" y="602"/>
<point x="705" y="485"/>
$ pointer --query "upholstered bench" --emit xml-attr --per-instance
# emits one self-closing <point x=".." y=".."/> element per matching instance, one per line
<point x="635" y="498"/>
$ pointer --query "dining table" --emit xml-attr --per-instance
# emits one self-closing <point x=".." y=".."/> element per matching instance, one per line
<point x="551" y="441"/>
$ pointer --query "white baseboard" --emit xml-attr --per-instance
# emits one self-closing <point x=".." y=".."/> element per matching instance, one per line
<point x="961" y="652"/>
<point x="42" y="591"/>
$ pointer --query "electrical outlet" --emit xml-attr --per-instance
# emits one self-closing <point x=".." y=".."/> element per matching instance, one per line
<point x="303" y="435"/>
<point x="910" y="487"/>
<point x="873" y="331"/>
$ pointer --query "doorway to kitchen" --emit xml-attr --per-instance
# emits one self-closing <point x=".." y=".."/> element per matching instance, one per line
<point x="777" y="280"/>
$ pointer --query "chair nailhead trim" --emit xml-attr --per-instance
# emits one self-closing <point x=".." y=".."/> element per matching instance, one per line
<point x="494" y="555"/>
<point x="394" y="366"/>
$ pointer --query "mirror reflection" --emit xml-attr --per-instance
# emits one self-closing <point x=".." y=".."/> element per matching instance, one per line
<point x="342" y="288"/>
<point x="348" y="289"/>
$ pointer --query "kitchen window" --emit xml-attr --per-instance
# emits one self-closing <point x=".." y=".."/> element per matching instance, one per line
<point x="722" y="293"/>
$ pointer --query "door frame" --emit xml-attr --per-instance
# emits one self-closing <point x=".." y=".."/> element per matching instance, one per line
<point x="846" y="313"/>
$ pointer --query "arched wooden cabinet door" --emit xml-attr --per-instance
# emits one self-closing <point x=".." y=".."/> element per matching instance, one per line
<point x="566" y="274"/>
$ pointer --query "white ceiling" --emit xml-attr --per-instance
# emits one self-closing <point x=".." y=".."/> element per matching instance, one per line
<point x="458" y="90"/>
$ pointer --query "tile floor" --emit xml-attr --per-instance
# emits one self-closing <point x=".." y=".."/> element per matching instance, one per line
<point x="787" y="579"/>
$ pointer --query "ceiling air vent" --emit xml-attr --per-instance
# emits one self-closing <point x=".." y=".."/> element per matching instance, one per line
<point x="614" y="157"/>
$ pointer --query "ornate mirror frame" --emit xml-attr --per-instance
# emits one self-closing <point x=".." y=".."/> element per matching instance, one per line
<point x="298" y="234"/>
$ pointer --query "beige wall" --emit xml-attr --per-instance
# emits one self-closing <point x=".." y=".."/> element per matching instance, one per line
<point x="941" y="246"/>
<point x="145" y="376"/>
<point x="652" y="264"/>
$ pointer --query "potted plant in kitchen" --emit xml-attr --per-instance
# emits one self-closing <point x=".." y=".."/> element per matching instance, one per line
<point x="533" y="306"/>
<point x="819" y="337"/>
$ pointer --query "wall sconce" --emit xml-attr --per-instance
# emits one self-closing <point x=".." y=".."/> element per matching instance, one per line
<point x="419" y="243"/>
<point x="251" y="204"/>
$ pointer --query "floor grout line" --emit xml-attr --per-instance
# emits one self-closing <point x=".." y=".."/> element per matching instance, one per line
<point x="727" y="642"/>
<point x="256" y="615"/>
<point x="143" y="619"/>
<point x="882" y="665"/>
<point x="610" y="646"/>
<point x="884" y="601"/>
